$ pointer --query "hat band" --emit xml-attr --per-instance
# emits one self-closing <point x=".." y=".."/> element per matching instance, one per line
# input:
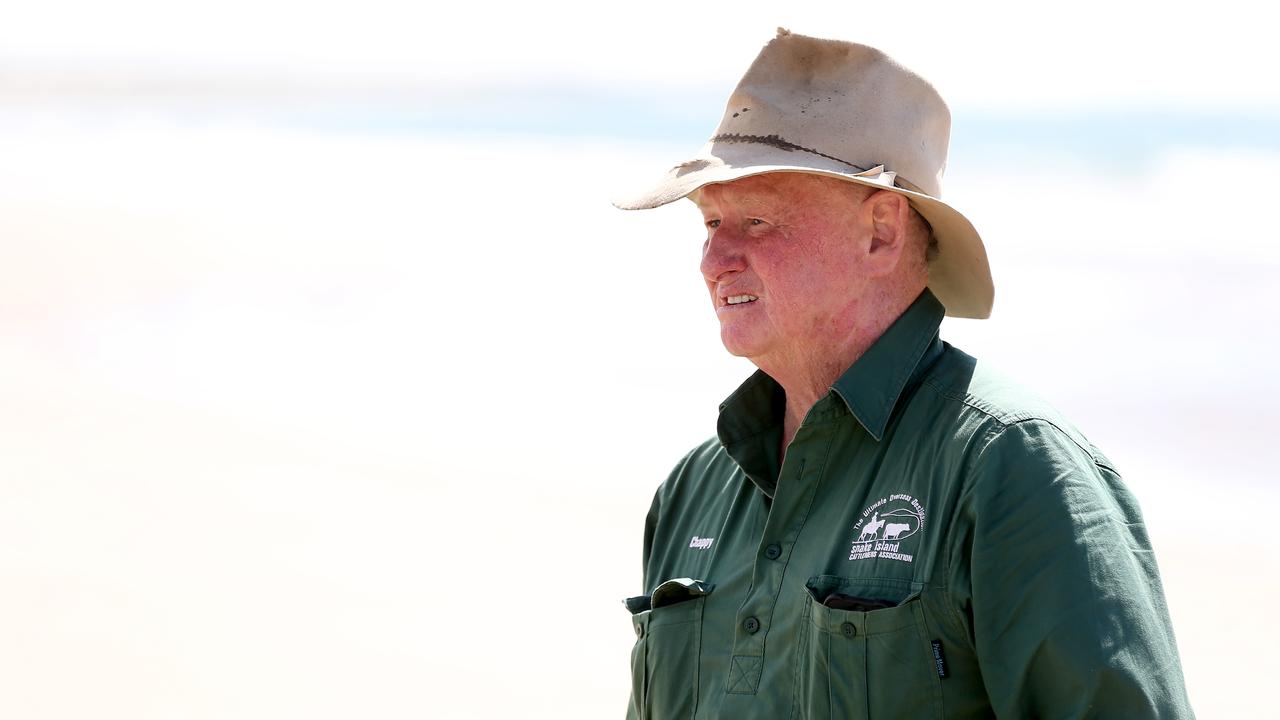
<point x="779" y="142"/>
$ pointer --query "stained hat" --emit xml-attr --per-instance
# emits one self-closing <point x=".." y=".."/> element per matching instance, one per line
<point x="848" y="111"/>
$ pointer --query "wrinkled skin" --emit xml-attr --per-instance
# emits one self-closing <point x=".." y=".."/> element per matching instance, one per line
<point x="831" y="264"/>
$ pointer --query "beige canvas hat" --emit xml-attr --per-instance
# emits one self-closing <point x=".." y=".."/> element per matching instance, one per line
<point x="848" y="111"/>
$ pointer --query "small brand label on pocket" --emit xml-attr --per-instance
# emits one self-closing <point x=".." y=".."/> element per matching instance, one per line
<point x="939" y="660"/>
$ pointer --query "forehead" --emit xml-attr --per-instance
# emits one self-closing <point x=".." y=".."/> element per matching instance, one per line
<point x="772" y="189"/>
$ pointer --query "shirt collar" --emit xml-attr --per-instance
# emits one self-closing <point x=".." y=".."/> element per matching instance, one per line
<point x="870" y="388"/>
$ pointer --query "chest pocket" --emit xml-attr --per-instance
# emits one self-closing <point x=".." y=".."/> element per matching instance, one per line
<point x="875" y="661"/>
<point x="664" y="660"/>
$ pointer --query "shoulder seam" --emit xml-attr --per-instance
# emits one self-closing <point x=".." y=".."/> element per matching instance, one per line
<point x="1011" y="419"/>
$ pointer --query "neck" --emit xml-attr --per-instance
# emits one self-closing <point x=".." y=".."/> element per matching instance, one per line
<point x="807" y="373"/>
<point x="808" y="382"/>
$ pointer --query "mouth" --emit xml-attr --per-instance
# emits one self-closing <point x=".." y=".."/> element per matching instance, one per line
<point x="733" y="300"/>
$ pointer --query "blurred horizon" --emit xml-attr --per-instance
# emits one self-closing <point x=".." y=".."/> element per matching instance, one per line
<point x="321" y="339"/>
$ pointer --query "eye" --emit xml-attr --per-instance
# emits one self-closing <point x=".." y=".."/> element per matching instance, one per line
<point x="713" y="224"/>
<point x="757" y="221"/>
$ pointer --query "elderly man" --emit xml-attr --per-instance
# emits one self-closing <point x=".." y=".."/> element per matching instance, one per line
<point x="882" y="528"/>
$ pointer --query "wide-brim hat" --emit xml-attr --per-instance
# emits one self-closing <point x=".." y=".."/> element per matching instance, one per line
<point x="847" y="111"/>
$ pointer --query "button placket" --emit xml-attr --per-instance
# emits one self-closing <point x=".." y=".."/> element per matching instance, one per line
<point x="787" y="516"/>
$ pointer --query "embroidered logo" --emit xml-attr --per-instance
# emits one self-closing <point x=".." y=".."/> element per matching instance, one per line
<point x="698" y="543"/>
<point x="884" y="525"/>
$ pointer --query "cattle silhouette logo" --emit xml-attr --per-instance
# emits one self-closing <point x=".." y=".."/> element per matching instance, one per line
<point x="884" y="525"/>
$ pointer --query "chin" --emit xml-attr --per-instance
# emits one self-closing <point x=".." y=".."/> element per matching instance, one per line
<point x="738" y="346"/>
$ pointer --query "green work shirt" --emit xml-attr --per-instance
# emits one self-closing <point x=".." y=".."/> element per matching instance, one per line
<point x="935" y="544"/>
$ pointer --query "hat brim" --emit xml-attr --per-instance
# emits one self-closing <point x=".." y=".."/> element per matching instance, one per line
<point x="960" y="275"/>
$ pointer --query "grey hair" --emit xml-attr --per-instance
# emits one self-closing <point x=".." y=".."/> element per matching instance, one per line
<point x="931" y="240"/>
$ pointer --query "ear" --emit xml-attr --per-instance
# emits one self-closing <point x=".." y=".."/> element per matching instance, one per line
<point x="889" y="213"/>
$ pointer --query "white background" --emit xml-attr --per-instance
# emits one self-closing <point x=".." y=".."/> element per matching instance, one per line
<point x="332" y="386"/>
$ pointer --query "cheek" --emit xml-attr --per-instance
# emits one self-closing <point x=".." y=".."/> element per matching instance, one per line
<point x="798" y="292"/>
<point x="815" y="292"/>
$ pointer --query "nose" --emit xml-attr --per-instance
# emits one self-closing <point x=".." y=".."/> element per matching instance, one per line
<point x="721" y="255"/>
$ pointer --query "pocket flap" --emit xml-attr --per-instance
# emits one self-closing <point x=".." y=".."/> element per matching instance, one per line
<point x="679" y="590"/>
<point x="670" y="592"/>
<point x="638" y="604"/>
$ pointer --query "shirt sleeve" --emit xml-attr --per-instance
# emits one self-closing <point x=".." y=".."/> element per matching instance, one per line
<point x="1067" y="614"/>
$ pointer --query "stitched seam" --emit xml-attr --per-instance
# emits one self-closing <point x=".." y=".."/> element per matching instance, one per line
<point x="745" y="675"/>
<point x="962" y="398"/>
<point x="989" y="437"/>
<point x="804" y="519"/>
<point x="744" y="438"/>
<point x="697" y="658"/>
<point x="951" y="616"/>
<point x="986" y="440"/>
<point x="802" y="657"/>
<point x="952" y="610"/>
<point x="922" y="614"/>
<point x="1016" y="419"/>
<point x="739" y="677"/>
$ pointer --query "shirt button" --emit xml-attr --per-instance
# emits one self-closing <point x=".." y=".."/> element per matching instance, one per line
<point x="849" y="629"/>
<point x="773" y="552"/>
<point x="639" y="631"/>
<point x="751" y="625"/>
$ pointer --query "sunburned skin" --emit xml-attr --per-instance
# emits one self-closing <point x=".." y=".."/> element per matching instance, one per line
<point x="805" y="272"/>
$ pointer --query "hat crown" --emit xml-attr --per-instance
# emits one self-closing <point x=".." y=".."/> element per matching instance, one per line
<point x="845" y="102"/>
<point x="847" y="111"/>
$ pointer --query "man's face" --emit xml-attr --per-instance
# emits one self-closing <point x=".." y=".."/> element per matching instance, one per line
<point x="781" y="262"/>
